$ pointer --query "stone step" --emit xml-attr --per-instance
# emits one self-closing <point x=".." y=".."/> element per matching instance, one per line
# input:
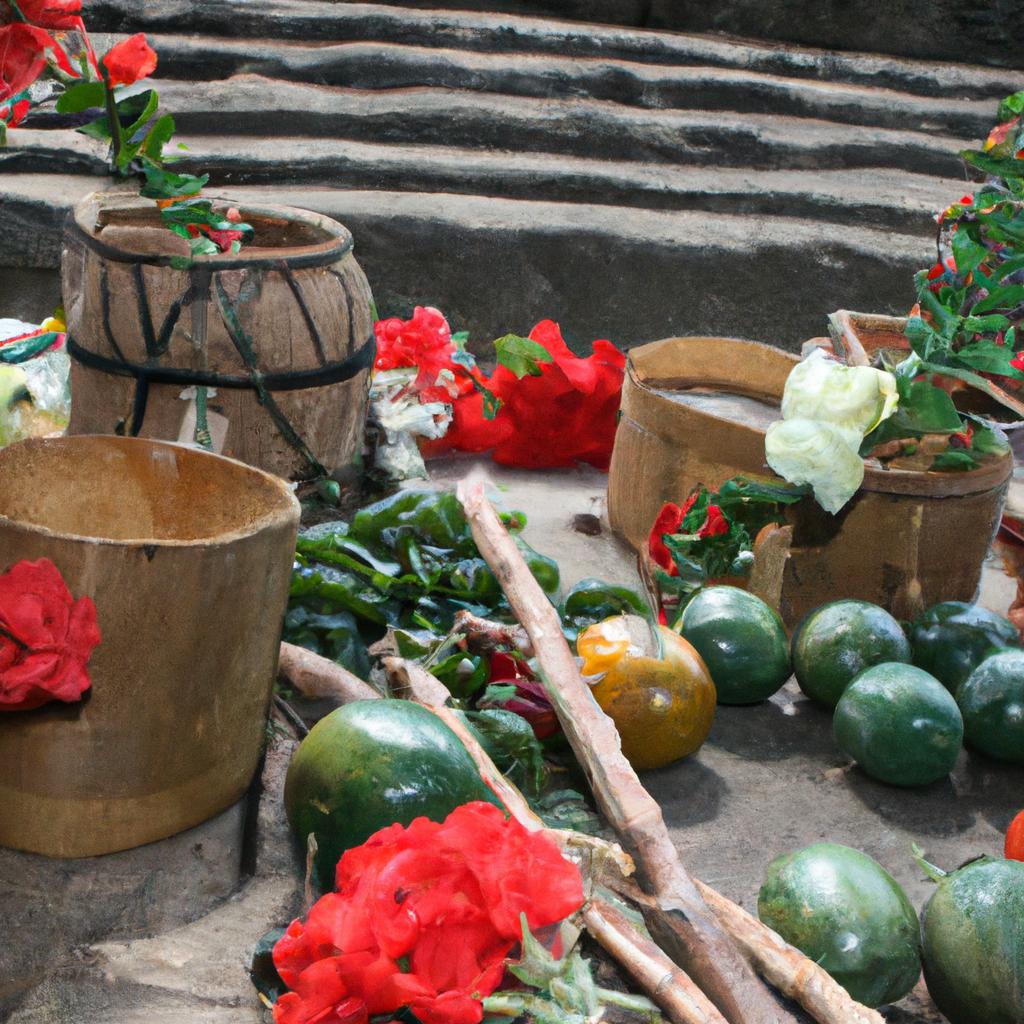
<point x="325" y="21"/>
<point x="496" y="264"/>
<point x="272" y="106"/>
<point x="742" y="151"/>
<point x="369" y="65"/>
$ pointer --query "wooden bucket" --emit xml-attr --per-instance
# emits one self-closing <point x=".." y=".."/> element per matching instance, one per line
<point x="188" y="559"/>
<point x="905" y="541"/>
<point x="283" y="331"/>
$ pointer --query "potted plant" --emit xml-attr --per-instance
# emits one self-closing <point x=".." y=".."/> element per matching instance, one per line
<point x="270" y="345"/>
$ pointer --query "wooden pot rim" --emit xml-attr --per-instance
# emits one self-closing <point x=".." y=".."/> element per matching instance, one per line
<point x="88" y="215"/>
<point x="757" y="370"/>
<point x="283" y="508"/>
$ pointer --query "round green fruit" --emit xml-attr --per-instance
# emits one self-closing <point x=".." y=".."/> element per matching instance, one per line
<point x="973" y="930"/>
<point x="845" y="912"/>
<point x="741" y="640"/>
<point x="900" y="725"/>
<point x="837" y="641"/>
<point x="951" y="639"/>
<point x="368" y="765"/>
<point x="991" y="701"/>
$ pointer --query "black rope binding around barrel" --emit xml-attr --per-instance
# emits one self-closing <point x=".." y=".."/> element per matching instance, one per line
<point x="262" y="383"/>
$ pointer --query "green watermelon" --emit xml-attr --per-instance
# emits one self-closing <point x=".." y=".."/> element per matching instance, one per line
<point x="741" y="640"/>
<point x="973" y="932"/>
<point x="847" y="913"/>
<point x="370" y="764"/>
<point x="838" y="641"/>
<point x="900" y="725"/>
<point x="951" y="639"/>
<point x="991" y="700"/>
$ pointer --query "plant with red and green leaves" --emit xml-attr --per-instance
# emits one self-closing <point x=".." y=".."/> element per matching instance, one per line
<point x="966" y="326"/>
<point x="48" y="37"/>
<point x="711" y="536"/>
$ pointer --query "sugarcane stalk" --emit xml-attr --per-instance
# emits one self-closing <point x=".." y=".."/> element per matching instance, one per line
<point x="686" y="928"/>
<point x="315" y="676"/>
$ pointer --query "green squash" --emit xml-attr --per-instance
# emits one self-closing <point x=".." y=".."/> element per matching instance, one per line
<point x="368" y="765"/>
<point x="973" y="932"/>
<point x="838" y="641"/>
<point x="900" y="725"/>
<point x="991" y="700"/>
<point x="741" y="640"/>
<point x="951" y="639"/>
<point x="847" y="913"/>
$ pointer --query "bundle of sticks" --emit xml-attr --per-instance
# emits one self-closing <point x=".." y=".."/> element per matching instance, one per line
<point x="710" y="962"/>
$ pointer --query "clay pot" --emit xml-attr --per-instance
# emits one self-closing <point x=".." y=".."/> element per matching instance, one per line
<point x="283" y="331"/>
<point x="906" y="540"/>
<point x="188" y="559"/>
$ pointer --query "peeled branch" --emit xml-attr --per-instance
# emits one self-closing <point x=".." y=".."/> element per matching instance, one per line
<point x="685" y="926"/>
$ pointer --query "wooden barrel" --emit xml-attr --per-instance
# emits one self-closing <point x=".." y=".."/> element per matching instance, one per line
<point x="283" y="331"/>
<point x="188" y="559"/>
<point x="906" y="540"/>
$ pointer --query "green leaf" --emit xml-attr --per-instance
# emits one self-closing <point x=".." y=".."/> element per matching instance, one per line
<point x="510" y="741"/>
<point x="967" y="253"/>
<point x="988" y="440"/>
<point x="593" y="600"/>
<point x="1001" y="167"/>
<point x="157" y="137"/>
<point x="1011" y="106"/>
<point x="954" y="460"/>
<point x="923" y="409"/>
<point x="83" y="96"/>
<point x="988" y="357"/>
<point x="1007" y="297"/>
<point x="164" y="184"/>
<point x="459" y="339"/>
<point x="464" y="674"/>
<point x="521" y="355"/>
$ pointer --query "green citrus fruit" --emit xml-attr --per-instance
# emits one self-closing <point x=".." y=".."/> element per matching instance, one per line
<point x="838" y="641"/>
<point x="899" y="724"/>
<point x="741" y="640"/>
<point x="991" y="700"/>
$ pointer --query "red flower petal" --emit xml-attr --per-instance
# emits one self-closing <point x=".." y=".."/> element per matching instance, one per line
<point x="130" y="60"/>
<point x="23" y="51"/>
<point x="715" y="525"/>
<point x="52" y="13"/>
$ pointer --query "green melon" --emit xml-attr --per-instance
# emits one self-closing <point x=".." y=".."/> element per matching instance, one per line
<point x="837" y="641"/>
<point x="900" y="725"/>
<point x="973" y="931"/>
<point x="951" y="639"/>
<point x="741" y="640"/>
<point x="846" y="913"/>
<point x="372" y="763"/>
<point x="991" y="700"/>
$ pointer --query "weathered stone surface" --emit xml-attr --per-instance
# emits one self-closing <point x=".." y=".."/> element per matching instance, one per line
<point x="51" y="907"/>
<point x="945" y="30"/>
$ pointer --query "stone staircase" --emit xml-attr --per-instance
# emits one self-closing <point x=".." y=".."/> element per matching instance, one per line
<point x="630" y="183"/>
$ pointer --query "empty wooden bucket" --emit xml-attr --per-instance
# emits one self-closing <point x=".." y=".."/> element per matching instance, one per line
<point x="188" y="558"/>
<point x="695" y="411"/>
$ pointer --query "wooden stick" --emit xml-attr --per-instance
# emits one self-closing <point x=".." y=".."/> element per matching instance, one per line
<point x="787" y="968"/>
<point x="487" y="635"/>
<point x="415" y="683"/>
<point x="686" y="927"/>
<point x="315" y="676"/>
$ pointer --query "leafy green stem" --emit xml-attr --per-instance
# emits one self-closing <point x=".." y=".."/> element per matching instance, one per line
<point x="116" y="135"/>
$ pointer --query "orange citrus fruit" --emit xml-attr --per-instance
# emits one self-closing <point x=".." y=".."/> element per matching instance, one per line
<point x="662" y="703"/>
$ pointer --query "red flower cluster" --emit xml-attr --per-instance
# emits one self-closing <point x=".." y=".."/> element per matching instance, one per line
<point x="46" y="637"/>
<point x="565" y="415"/>
<point x="424" y="917"/>
<point x="670" y="521"/>
<point x="425" y="341"/>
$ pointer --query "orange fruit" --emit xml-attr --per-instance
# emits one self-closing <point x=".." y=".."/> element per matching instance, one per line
<point x="662" y="703"/>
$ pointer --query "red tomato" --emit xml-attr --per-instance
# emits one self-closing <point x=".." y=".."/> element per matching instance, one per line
<point x="1014" y="849"/>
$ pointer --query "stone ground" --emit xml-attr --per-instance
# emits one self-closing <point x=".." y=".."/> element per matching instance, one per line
<point x="768" y="780"/>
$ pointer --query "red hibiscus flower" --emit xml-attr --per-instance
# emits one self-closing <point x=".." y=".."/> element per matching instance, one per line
<point x="565" y="415"/>
<point x="46" y="637"/>
<point x="129" y="61"/>
<point x="23" y="50"/>
<point x="715" y="525"/>
<point x="424" y="917"/>
<point x="669" y="521"/>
